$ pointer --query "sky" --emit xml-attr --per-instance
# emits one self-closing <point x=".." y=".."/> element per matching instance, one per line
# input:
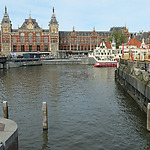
<point x="83" y="15"/>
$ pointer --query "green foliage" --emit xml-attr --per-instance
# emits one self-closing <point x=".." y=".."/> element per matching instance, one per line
<point x="119" y="38"/>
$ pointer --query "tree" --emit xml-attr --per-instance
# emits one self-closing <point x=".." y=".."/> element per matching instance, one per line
<point x="119" y="38"/>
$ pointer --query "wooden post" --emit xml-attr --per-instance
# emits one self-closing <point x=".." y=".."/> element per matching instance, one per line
<point x="45" y="120"/>
<point x="5" y="109"/>
<point x="148" y="117"/>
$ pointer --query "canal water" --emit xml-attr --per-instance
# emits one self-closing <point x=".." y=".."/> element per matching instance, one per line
<point x="87" y="109"/>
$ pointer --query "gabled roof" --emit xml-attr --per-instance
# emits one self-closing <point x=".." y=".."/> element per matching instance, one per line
<point x="35" y="24"/>
<point x="6" y="19"/>
<point x="108" y="45"/>
<point x="134" y="42"/>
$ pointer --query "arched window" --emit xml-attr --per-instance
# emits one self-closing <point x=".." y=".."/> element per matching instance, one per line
<point x="22" y="39"/>
<point x="30" y="36"/>
<point x="38" y="37"/>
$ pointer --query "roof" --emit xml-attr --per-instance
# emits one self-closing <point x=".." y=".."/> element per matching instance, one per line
<point x="116" y="29"/>
<point x="108" y="45"/>
<point x="6" y="19"/>
<point x="53" y="19"/>
<point x="35" y="24"/>
<point x="134" y="42"/>
<point x="85" y="33"/>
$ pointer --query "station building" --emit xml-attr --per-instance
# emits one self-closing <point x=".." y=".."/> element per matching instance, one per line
<point x="31" y="38"/>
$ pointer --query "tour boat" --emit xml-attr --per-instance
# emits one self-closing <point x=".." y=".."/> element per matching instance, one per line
<point x="106" y="64"/>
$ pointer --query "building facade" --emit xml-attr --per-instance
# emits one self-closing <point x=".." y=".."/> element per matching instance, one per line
<point x="31" y="38"/>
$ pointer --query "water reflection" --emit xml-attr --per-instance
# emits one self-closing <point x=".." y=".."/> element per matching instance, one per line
<point x="45" y="140"/>
<point x="86" y="109"/>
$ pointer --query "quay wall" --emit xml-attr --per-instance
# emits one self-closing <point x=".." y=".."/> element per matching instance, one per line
<point x="135" y="79"/>
<point x="8" y="135"/>
<point x="71" y="61"/>
<point x="15" y="63"/>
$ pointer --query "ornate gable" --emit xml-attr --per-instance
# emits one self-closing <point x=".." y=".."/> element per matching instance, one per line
<point x="94" y="34"/>
<point x="73" y="33"/>
<point x="30" y="24"/>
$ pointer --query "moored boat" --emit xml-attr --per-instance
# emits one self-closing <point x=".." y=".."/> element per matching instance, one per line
<point x="106" y="64"/>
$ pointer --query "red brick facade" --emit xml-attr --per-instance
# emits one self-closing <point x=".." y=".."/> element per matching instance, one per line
<point x="30" y="37"/>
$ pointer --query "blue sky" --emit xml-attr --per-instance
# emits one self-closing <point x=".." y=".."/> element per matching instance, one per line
<point x="84" y="15"/>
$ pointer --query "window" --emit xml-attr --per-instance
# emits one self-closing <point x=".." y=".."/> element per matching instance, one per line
<point x="14" y="40"/>
<point x="71" y="47"/>
<point x="38" y="47"/>
<point x="14" y="48"/>
<point x="22" y="48"/>
<point x="30" y="38"/>
<point x="54" y="40"/>
<point x="61" y="41"/>
<point x="6" y="40"/>
<point x="30" y="48"/>
<point x="75" y="47"/>
<point x="78" y="40"/>
<point x="38" y="37"/>
<point x="45" y="48"/>
<point x="75" y="41"/>
<point x="45" y="39"/>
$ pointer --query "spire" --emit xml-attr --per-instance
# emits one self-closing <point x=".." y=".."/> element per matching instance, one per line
<point x="6" y="19"/>
<point x="53" y="10"/>
<point x="73" y="28"/>
<point x="29" y="14"/>
<point x="53" y="19"/>
<point x="143" y="42"/>
<point x="5" y="10"/>
<point x="113" y="40"/>
<point x="94" y="29"/>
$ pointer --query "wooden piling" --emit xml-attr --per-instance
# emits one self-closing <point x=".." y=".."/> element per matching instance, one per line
<point x="5" y="109"/>
<point x="148" y="117"/>
<point x="45" y="120"/>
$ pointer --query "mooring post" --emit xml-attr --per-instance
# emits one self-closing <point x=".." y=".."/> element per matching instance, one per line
<point x="45" y="120"/>
<point x="5" y="109"/>
<point x="148" y="117"/>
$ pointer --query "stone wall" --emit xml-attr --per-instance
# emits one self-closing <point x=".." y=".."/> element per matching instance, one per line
<point x="8" y="135"/>
<point x="135" y="79"/>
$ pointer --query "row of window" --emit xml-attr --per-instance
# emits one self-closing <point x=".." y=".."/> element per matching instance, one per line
<point x="30" y="48"/>
<point x="30" y="39"/>
<point x="75" y="47"/>
<point x="94" y="34"/>
<point x="81" y="40"/>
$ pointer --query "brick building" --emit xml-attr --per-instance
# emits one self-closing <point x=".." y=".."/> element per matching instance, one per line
<point x="31" y="38"/>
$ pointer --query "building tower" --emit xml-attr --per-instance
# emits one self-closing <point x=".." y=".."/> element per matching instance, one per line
<point x="6" y="28"/>
<point x="113" y="44"/>
<point x="54" y="34"/>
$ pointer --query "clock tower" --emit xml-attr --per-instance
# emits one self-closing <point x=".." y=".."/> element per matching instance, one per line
<point x="54" y="34"/>
<point x="6" y="27"/>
